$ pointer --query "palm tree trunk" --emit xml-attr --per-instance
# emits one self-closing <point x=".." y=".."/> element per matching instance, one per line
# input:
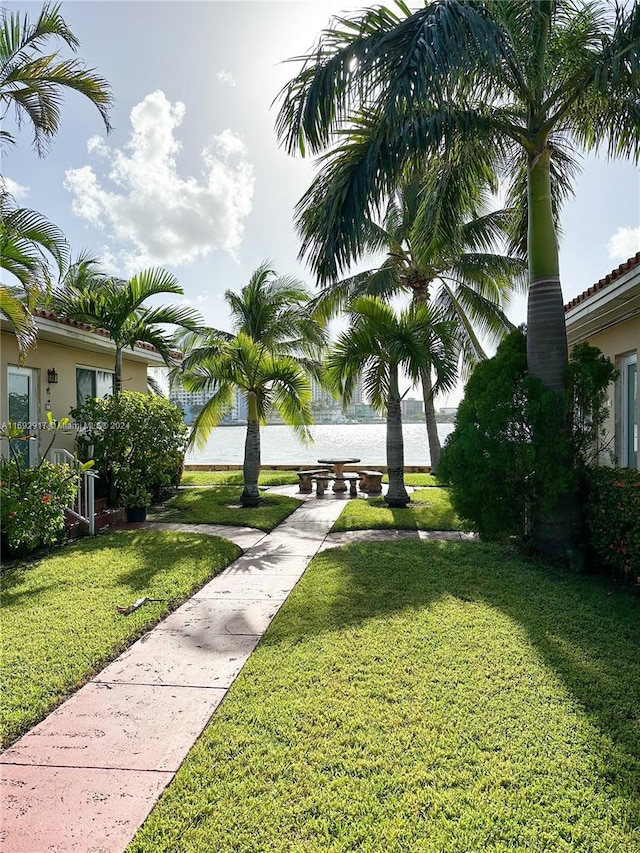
<point x="430" y="419"/>
<point x="251" y="468"/>
<point x="117" y="379"/>
<point x="547" y="351"/>
<point x="397" y="494"/>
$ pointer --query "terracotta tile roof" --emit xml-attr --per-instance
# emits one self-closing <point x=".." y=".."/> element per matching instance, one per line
<point x="614" y="275"/>
<point x="49" y="315"/>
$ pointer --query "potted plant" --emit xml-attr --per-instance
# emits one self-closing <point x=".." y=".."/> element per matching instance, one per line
<point x="136" y="499"/>
<point x="133" y="492"/>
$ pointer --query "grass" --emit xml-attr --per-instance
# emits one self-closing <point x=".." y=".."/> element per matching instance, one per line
<point x="415" y="479"/>
<point x="221" y="505"/>
<point x="422" y="696"/>
<point x="59" y="618"/>
<point x="430" y="509"/>
<point x="278" y="478"/>
<point x="236" y="478"/>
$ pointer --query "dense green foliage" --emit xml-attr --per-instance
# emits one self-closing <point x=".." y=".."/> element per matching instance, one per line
<point x="612" y="520"/>
<point x="59" y="619"/>
<point x="221" y="505"/>
<point x="32" y="503"/>
<point x="504" y="460"/>
<point x="491" y="458"/>
<point x="422" y="696"/>
<point x="137" y="439"/>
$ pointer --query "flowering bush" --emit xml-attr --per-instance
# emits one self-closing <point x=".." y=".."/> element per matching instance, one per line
<point x="612" y="515"/>
<point x="33" y="503"/>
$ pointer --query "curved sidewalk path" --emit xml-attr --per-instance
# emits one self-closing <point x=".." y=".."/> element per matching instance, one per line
<point x="85" y="778"/>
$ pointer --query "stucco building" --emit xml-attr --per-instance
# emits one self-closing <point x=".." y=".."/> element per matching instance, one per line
<point x="607" y="315"/>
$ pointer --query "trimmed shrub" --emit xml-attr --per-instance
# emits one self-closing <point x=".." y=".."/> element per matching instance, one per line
<point x="507" y="460"/>
<point x="134" y="436"/>
<point x="495" y="462"/>
<point x="612" y="520"/>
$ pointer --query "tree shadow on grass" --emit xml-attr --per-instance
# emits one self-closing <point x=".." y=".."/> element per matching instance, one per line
<point x="220" y="505"/>
<point x="584" y="629"/>
<point x="153" y="566"/>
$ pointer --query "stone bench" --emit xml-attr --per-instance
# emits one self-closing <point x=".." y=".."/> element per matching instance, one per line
<point x="370" y="482"/>
<point x="322" y="481"/>
<point x="305" y="479"/>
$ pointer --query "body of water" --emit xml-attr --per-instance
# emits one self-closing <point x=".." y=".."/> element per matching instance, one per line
<point x="279" y="445"/>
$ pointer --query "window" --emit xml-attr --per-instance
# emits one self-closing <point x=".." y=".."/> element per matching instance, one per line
<point x="92" y="383"/>
<point x="629" y="411"/>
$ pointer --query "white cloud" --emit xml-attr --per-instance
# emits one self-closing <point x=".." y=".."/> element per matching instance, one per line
<point x="152" y="214"/>
<point x="14" y="188"/>
<point x="624" y="244"/>
<point x="226" y="78"/>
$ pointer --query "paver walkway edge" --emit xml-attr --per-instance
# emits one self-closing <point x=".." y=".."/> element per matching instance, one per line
<point x="85" y="778"/>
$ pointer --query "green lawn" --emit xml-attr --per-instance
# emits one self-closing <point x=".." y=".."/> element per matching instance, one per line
<point x="59" y="619"/>
<point x="221" y="505"/>
<point x="430" y="509"/>
<point x="236" y="478"/>
<point x="423" y="696"/>
<point x="417" y="479"/>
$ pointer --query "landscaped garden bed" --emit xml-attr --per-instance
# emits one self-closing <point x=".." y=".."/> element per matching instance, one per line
<point x="60" y="622"/>
<point x="422" y="696"/>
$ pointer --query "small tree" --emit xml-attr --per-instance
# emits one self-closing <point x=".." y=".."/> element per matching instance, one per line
<point x="117" y="306"/>
<point x="377" y="346"/>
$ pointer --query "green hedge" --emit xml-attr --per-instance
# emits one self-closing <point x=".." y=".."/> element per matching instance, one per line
<point x="612" y="518"/>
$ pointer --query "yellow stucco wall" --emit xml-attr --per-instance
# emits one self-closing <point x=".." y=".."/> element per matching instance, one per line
<point x="617" y="342"/>
<point x="64" y="358"/>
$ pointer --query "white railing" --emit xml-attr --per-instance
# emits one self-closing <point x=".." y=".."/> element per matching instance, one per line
<point x="83" y="508"/>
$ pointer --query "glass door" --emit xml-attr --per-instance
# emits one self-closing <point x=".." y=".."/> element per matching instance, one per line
<point x="22" y="409"/>
<point x="630" y="411"/>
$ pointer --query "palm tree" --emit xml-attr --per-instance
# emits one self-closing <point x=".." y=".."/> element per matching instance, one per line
<point x="380" y="343"/>
<point x="33" y="76"/>
<point x="90" y="296"/>
<point x="267" y="380"/>
<point x="27" y="242"/>
<point x="452" y="266"/>
<point x="528" y="82"/>
<point x="270" y="357"/>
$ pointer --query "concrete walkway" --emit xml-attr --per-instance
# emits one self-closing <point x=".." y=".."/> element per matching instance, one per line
<point x="86" y="778"/>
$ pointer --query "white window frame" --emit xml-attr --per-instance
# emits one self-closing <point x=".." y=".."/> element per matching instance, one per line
<point x="626" y="362"/>
<point x="94" y="370"/>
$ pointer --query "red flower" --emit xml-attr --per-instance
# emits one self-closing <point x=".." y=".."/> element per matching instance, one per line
<point x="46" y="498"/>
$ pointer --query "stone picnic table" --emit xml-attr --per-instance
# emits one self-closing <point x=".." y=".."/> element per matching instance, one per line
<point x="338" y="463"/>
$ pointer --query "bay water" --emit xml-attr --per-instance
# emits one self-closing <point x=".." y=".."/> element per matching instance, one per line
<point x="280" y="446"/>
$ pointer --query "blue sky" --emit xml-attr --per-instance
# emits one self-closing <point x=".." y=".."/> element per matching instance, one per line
<point x="192" y="177"/>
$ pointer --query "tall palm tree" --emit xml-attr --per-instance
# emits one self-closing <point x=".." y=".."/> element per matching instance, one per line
<point x="117" y="306"/>
<point x="28" y="241"/>
<point x="269" y="381"/>
<point x="452" y="266"/>
<point x="34" y="77"/>
<point x="529" y="82"/>
<point x="377" y="346"/>
<point x="276" y="345"/>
